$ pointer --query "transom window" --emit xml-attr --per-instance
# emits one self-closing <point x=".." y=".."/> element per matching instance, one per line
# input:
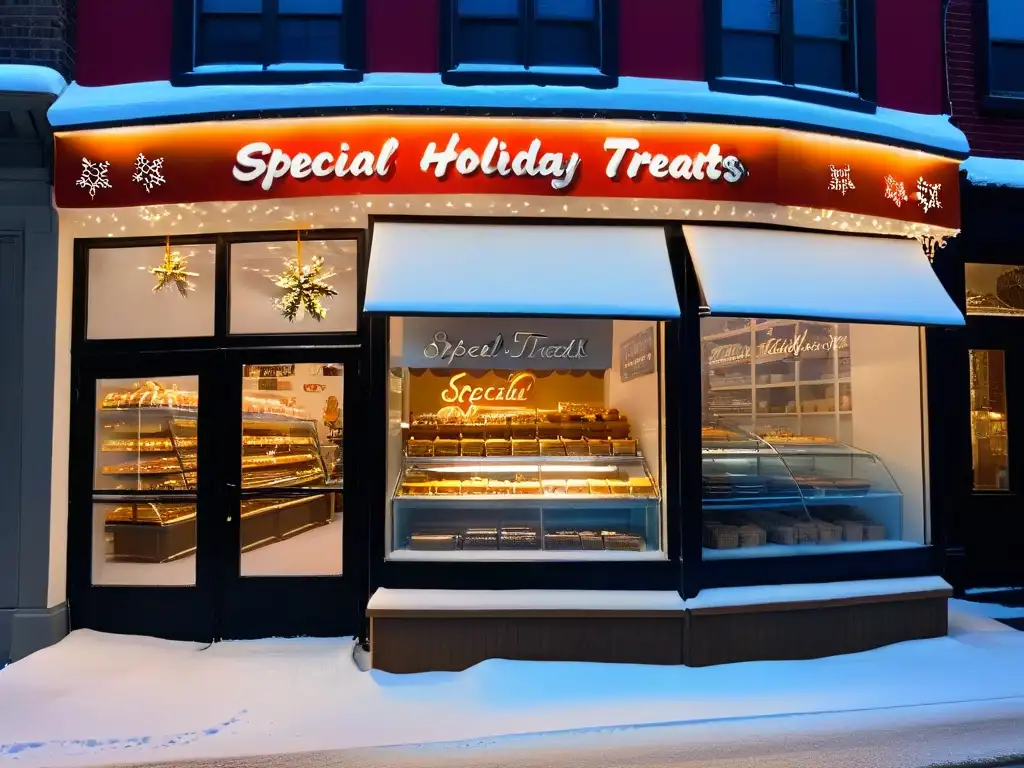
<point x="527" y="33"/>
<point x="1006" y="48"/>
<point x="270" y="34"/>
<point x="795" y="42"/>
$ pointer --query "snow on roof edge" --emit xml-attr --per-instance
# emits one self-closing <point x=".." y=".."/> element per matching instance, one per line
<point x="79" y="106"/>
<point x="994" y="171"/>
<point x="30" y="78"/>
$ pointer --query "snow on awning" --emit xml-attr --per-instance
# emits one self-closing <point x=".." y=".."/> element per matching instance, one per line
<point x="802" y="275"/>
<point x="480" y="269"/>
<point x="30" y="78"/>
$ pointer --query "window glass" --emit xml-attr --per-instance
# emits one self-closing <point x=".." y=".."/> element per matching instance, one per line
<point x="525" y="439"/>
<point x="125" y="303"/>
<point x="146" y="441"/>
<point x="246" y="32"/>
<point x="822" y="63"/>
<point x="812" y="437"/>
<point x="292" y="437"/>
<point x="755" y="57"/>
<point x="989" y="423"/>
<point x="995" y="289"/>
<point x="1006" y="47"/>
<point x="821" y="18"/>
<point x="264" y="280"/>
<point x="539" y="33"/>
<point x="1005" y="21"/>
<point x="751" y="15"/>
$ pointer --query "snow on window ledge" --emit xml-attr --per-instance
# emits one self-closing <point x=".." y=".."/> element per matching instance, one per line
<point x="384" y="599"/>
<point x="501" y="69"/>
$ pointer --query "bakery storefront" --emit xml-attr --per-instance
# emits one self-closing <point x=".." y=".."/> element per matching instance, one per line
<point x="530" y="388"/>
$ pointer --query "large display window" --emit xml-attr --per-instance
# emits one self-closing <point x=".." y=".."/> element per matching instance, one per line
<point x="525" y="439"/>
<point x="813" y="440"/>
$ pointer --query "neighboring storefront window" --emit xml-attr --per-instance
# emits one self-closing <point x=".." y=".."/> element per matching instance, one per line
<point x="125" y="301"/>
<point x="813" y="437"/>
<point x="989" y="424"/>
<point x="263" y="277"/>
<point x="995" y="289"/>
<point x="525" y="439"/>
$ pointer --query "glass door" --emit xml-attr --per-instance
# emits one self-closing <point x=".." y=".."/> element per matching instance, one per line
<point x="139" y="525"/>
<point x="286" y="480"/>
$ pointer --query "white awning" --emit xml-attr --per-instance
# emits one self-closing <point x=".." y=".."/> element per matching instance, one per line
<point x="541" y="270"/>
<point x="803" y="275"/>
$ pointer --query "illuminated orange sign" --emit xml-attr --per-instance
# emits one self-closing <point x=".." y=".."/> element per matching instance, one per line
<point x="514" y="391"/>
<point x="376" y="155"/>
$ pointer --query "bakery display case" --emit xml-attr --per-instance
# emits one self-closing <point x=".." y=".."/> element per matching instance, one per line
<point x="147" y="441"/>
<point x="569" y="483"/>
<point x="781" y="494"/>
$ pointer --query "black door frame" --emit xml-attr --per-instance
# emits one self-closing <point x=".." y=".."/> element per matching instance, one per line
<point x="222" y="603"/>
<point x="198" y="613"/>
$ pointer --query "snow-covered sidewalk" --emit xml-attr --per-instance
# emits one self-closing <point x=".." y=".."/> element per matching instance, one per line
<point x="95" y="698"/>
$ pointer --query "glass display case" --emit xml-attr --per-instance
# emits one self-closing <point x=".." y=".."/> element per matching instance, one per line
<point x="147" y="441"/>
<point x="785" y="494"/>
<point x="502" y="507"/>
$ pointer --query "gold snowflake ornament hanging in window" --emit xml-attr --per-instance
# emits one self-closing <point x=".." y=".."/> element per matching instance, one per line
<point x="305" y="287"/>
<point x="173" y="271"/>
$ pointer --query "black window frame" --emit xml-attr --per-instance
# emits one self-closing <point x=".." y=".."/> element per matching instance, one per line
<point x="989" y="102"/>
<point x="185" y="47"/>
<point x="862" y="46"/>
<point x="604" y="76"/>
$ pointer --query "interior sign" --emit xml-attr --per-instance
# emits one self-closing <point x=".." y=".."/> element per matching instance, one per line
<point x="525" y="346"/>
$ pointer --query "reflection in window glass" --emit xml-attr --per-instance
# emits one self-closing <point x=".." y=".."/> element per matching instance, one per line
<point x="146" y="440"/>
<point x="522" y="454"/>
<point x="260" y="305"/>
<point x="292" y="437"/>
<point x="794" y="463"/>
<point x="995" y="289"/>
<point x="1006" y="48"/>
<point x="123" y="304"/>
<point x="989" y="420"/>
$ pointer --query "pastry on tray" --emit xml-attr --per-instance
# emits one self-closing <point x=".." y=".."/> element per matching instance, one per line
<point x="618" y="487"/>
<point x="528" y="487"/>
<point x="575" y="447"/>
<point x="516" y="537"/>
<point x="472" y="447"/>
<point x="499" y="487"/>
<point x="598" y="486"/>
<point x="525" y="448"/>
<point x="591" y="540"/>
<point x="622" y="542"/>
<point x="554" y="486"/>
<point x="751" y="535"/>
<point x="623" y="447"/>
<point x="446" y="447"/>
<point x="641" y="486"/>
<point x="416" y="489"/>
<point x="577" y="485"/>
<point x="497" y="447"/>
<point x="552" y="448"/>
<point x="599" y="447"/>
<point x="447" y="487"/>
<point x="874" y="532"/>
<point x="480" y="538"/>
<point x="475" y="485"/>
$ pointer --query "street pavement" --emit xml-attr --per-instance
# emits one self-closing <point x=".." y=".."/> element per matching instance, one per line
<point x="989" y="733"/>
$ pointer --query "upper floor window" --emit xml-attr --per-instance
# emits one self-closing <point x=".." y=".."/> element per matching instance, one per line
<point x="542" y="36"/>
<point x="793" y="42"/>
<point x="271" y="34"/>
<point x="1006" y="48"/>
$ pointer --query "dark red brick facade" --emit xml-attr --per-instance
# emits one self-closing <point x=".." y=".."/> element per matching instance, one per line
<point x="989" y="134"/>
<point x="40" y="32"/>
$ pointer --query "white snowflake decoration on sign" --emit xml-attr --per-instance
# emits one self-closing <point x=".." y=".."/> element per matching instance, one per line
<point x="149" y="173"/>
<point x="94" y="176"/>
<point x="841" y="180"/>
<point x="895" y="191"/>
<point x="928" y="194"/>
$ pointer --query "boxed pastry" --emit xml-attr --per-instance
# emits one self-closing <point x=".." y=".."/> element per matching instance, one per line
<point x="623" y="447"/>
<point x="806" y="533"/>
<point x="874" y="532"/>
<point x="782" y="534"/>
<point x="480" y="538"/>
<point x="598" y="486"/>
<point x="622" y="542"/>
<point x="618" y="487"/>
<point x="447" y="487"/>
<point x="562" y="540"/>
<point x="499" y="487"/>
<point x="599" y="447"/>
<point x="554" y="486"/>
<point x="577" y="485"/>
<point x="852" y="530"/>
<point x="446" y="448"/>
<point x="552" y="448"/>
<point x="751" y="535"/>
<point x="516" y="537"/>
<point x="434" y="542"/>
<point x="829" y="533"/>
<point x="591" y="540"/>
<point x="575" y="447"/>
<point x="416" y="489"/>
<point x="721" y="536"/>
<point x="641" y="486"/>
<point x="475" y="485"/>
<point x="528" y="487"/>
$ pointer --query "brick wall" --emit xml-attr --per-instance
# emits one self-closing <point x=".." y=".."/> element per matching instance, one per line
<point x="989" y="135"/>
<point x="38" y="32"/>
